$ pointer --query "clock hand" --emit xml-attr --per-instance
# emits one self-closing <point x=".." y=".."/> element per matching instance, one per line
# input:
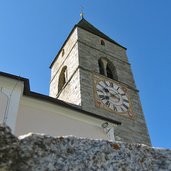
<point x="114" y="93"/>
<point x="106" y="90"/>
<point x="104" y="97"/>
<point x="107" y="97"/>
<point x="114" y="96"/>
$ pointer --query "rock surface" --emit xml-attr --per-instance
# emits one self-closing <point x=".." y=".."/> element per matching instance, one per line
<point x="34" y="152"/>
<point x="9" y="148"/>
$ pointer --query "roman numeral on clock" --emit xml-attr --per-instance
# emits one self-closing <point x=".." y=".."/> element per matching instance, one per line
<point x="125" y="106"/>
<point x="106" y="83"/>
<point x="99" y="86"/>
<point x="114" y="108"/>
<point x="99" y="91"/>
<point x="125" y="100"/>
<point x="102" y="97"/>
<point x="107" y="103"/>
<point x="111" y="84"/>
<point x="122" y="109"/>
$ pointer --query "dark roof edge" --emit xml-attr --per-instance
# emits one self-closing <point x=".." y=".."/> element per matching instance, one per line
<point x="25" y="80"/>
<point x="67" y="105"/>
<point x="39" y="96"/>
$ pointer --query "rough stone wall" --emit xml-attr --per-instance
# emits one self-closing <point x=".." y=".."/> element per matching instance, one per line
<point x="69" y="58"/>
<point x="35" y="152"/>
<point x="109" y="48"/>
<point x="131" y="130"/>
<point x="62" y="57"/>
<point x="71" y="90"/>
<point x="9" y="148"/>
<point x="82" y="51"/>
<point x="90" y="50"/>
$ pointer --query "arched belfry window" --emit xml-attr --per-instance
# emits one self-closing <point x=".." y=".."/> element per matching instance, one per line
<point x="107" y="69"/>
<point x="62" y="78"/>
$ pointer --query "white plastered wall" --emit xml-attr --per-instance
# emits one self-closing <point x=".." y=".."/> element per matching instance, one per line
<point x="10" y="93"/>
<point x="43" y="117"/>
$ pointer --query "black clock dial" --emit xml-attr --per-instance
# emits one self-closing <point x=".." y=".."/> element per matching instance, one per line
<point x="112" y="96"/>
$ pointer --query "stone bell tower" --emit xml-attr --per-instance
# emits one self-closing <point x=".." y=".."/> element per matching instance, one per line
<point x="92" y="72"/>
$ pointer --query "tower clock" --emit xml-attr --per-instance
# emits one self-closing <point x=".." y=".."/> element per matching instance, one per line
<point x="112" y="96"/>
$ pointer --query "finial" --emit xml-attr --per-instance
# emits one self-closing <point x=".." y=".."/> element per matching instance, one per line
<point x="81" y="13"/>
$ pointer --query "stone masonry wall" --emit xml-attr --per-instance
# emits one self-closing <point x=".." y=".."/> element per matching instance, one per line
<point x="132" y="129"/>
<point x="35" y="152"/>
<point x="71" y="90"/>
<point x="69" y="59"/>
<point x="82" y="51"/>
<point x="109" y="48"/>
<point x="90" y="52"/>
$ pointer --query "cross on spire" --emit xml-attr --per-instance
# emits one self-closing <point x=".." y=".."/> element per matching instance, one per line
<point x="82" y="13"/>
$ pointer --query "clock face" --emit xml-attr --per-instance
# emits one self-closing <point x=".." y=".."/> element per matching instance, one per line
<point x="112" y="96"/>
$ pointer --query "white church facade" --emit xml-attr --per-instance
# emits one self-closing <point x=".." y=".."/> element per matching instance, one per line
<point x="92" y="93"/>
<point x="25" y="111"/>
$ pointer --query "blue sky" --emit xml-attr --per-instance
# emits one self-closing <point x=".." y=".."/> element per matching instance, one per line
<point x="32" y="32"/>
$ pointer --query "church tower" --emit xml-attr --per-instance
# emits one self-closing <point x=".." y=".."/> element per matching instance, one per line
<point x="91" y="71"/>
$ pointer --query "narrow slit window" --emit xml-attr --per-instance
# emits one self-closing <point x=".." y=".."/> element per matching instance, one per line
<point x="62" y="78"/>
<point x="63" y="52"/>
<point x="102" y="43"/>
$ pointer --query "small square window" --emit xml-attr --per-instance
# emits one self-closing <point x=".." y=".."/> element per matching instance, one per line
<point x="102" y="43"/>
<point x="63" y="52"/>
